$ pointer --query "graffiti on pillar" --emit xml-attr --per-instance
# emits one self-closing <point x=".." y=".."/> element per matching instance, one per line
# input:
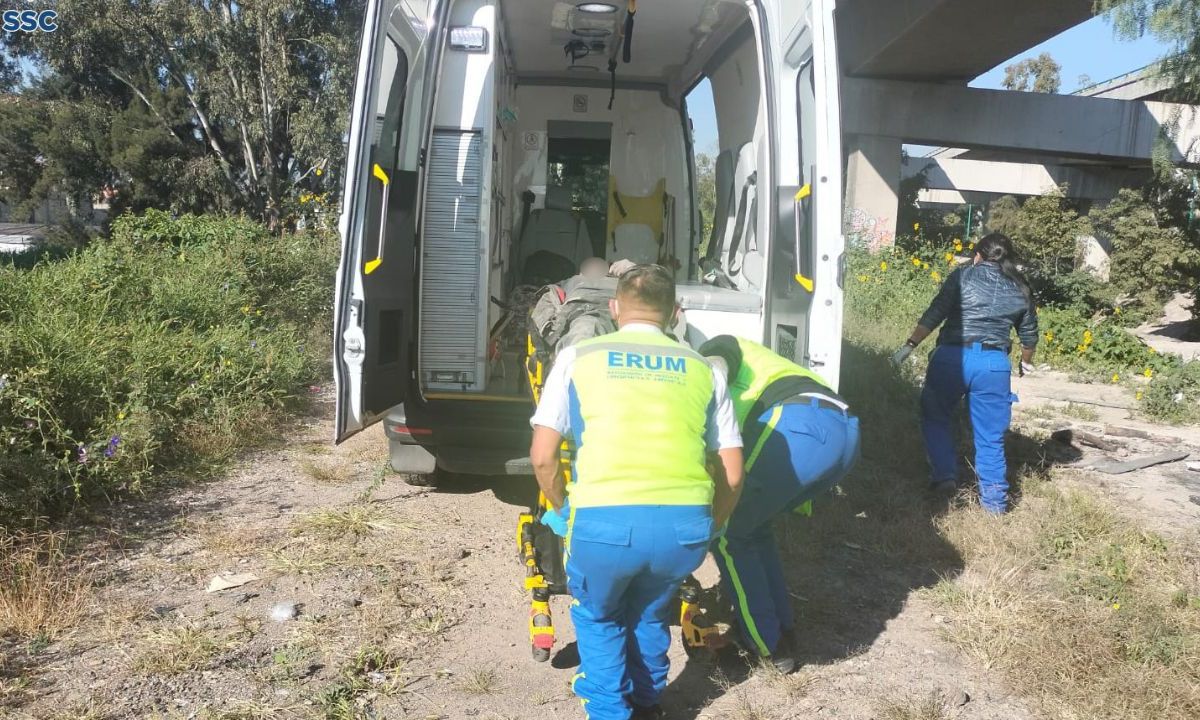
<point x="869" y="231"/>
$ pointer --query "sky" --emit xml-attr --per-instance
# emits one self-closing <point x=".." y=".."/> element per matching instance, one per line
<point x="1090" y="49"/>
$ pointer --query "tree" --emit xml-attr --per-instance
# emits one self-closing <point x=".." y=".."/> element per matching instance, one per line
<point x="1150" y="260"/>
<point x="10" y="74"/>
<point x="1041" y="74"/>
<point x="1047" y="230"/>
<point x="1004" y="215"/>
<point x="252" y="96"/>
<point x="706" y="195"/>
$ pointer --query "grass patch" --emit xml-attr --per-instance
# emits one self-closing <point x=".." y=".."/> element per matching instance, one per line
<point x="1084" y="612"/>
<point x="373" y="671"/>
<point x="43" y="590"/>
<point x="480" y="681"/>
<point x="352" y="522"/>
<point x="328" y="472"/>
<point x="172" y="651"/>
<point x="921" y="707"/>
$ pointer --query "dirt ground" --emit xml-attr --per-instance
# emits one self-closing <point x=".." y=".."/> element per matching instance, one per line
<point x="410" y="605"/>
<point x="1165" y="497"/>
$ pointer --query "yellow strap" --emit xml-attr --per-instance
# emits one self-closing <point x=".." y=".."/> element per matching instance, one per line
<point x="804" y="191"/>
<point x="805" y="283"/>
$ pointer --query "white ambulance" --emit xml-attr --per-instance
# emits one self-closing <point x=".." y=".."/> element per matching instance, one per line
<point x="495" y="144"/>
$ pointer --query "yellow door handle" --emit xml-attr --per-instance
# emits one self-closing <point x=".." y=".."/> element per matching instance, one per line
<point x="382" y="176"/>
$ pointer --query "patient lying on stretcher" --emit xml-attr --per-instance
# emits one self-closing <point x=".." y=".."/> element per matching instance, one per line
<point x="577" y="309"/>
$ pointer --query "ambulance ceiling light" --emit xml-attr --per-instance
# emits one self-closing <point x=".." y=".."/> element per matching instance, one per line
<point x="597" y="8"/>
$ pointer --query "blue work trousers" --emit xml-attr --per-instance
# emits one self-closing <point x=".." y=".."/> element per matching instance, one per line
<point x="984" y="377"/>
<point x="624" y="567"/>
<point x="805" y="449"/>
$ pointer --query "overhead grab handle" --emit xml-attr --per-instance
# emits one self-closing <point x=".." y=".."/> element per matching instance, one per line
<point x="382" y="176"/>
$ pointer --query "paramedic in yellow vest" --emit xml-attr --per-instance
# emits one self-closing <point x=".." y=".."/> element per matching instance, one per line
<point x="647" y="416"/>
<point x="800" y="440"/>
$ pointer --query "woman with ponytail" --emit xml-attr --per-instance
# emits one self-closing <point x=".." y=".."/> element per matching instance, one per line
<point x="980" y="305"/>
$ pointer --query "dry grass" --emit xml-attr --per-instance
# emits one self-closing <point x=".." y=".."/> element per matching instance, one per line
<point x="171" y="651"/>
<point x="480" y="681"/>
<point x="352" y="521"/>
<point x="1083" y="611"/>
<point x="230" y="540"/>
<point x="328" y="471"/>
<point x="43" y="590"/>
<point x="918" y="707"/>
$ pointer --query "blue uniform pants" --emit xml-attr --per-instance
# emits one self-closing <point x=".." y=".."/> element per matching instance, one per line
<point x="624" y="567"/>
<point x="985" y="378"/>
<point x="806" y="449"/>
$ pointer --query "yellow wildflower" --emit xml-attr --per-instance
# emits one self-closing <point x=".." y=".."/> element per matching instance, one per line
<point x="916" y="262"/>
<point x="320" y="172"/>
<point x="862" y="278"/>
<point x="937" y="276"/>
<point x="1116" y="606"/>
<point x="1049" y="336"/>
<point x="883" y="265"/>
<point x="971" y="246"/>
<point x="1116" y="378"/>
<point x="924" y="266"/>
<point x="1152" y="351"/>
<point x="245" y="309"/>
<point x="1116" y="311"/>
<point x="1139" y="394"/>
<point x="949" y="257"/>
<point x="1087" y="337"/>
<point x="917" y="226"/>
<point x="121" y="416"/>
<point x="258" y="312"/>
<point x="1148" y="372"/>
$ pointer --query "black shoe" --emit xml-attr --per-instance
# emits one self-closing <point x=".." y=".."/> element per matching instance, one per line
<point x="784" y="657"/>
<point x="654" y="712"/>
<point x="945" y="488"/>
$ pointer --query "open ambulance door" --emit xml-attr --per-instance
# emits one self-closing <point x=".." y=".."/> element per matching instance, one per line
<point x="806" y="296"/>
<point x="375" y="300"/>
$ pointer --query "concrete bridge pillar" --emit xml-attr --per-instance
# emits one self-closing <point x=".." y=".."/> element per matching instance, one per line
<point x="872" y="190"/>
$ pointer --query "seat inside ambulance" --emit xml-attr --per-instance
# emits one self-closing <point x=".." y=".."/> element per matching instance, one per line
<point x="575" y="118"/>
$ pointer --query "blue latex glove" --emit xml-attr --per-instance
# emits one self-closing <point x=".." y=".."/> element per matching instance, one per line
<point x="556" y="520"/>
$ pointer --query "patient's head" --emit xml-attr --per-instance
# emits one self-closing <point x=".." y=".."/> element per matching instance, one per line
<point x="593" y="268"/>
<point x="645" y="294"/>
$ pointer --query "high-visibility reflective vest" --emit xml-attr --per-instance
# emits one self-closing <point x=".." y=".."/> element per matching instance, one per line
<point x="638" y="411"/>
<point x="760" y="367"/>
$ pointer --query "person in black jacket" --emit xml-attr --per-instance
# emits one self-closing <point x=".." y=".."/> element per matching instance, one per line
<point x="980" y="305"/>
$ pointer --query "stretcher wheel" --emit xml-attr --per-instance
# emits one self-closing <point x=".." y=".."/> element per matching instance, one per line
<point x="541" y="650"/>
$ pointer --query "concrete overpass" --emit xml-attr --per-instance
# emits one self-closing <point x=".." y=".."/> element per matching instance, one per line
<point x="954" y="176"/>
<point x="945" y="40"/>
<point x="905" y="66"/>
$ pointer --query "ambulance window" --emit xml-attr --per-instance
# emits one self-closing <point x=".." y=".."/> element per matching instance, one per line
<point x="390" y="114"/>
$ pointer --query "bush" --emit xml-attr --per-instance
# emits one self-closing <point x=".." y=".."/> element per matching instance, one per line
<point x="164" y="346"/>
<point x="1151" y="261"/>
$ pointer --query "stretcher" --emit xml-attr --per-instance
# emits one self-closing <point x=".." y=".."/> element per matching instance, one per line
<point x="543" y="555"/>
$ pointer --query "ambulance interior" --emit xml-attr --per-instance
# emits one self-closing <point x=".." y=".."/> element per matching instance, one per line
<point x="538" y="162"/>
